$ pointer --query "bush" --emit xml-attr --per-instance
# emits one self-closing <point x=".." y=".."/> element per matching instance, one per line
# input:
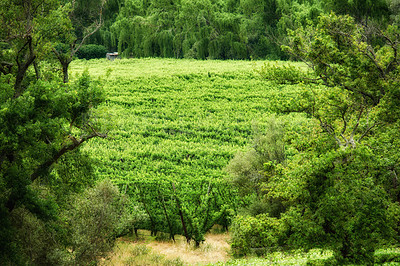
<point x="140" y="250"/>
<point x="96" y="218"/>
<point x="255" y="235"/>
<point x="283" y="74"/>
<point x="91" y="51"/>
<point x="161" y="236"/>
<point x="34" y="239"/>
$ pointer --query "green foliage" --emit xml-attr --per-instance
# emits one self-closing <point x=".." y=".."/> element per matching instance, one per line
<point x="362" y="10"/>
<point x="337" y="193"/>
<point x="171" y="209"/>
<point x="283" y="74"/>
<point x="140" y="250"/>
<point x="312" y="257"/>
<point x="95" y="218"/>
<point x="35" y="129"/>
<point x="41" y="119"/>
<point x="332" y="200"/>
<point x="205" y="29"/>
<point x="387" y="256"/>
<point x="255" y="235"/>
<point x="91" y="51"/>
<point x="72" y="173"/>
<point x="250" y="170"/>
<point x="163" y="146"/>
<point x="31" y="236"/>
<point x="225" y="29"/>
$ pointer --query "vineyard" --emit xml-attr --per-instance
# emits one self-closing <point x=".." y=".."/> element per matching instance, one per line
<point x="174" y="126"/>
<point x="180" y="138"/>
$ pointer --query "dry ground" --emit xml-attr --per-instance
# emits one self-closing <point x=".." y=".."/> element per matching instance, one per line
<point x="147" y="251"/>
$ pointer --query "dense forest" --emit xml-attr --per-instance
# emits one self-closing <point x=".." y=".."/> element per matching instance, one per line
<point x="182" y="156"/>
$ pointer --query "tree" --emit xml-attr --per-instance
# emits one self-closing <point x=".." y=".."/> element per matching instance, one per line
<point x="85" y="18"/>
<point x="248" y="170"/>
<point x="41" y="118"/>
<point x="95" y="219"/>
<point x="362" y="10"/>
<point x="18" y="22"/>
<point x="362" y="79"/>
<point x="339" y="186"/>
<point x="360" y="82"/>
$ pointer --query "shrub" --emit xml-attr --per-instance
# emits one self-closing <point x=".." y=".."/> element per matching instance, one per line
<point x="140" y="250"/>
<point x="255" y="235"/>
<point x="34" y="240"/>
<point x="161" y="236"/>
<point x="95" y="219"/>
<point x="283" y="74"/>
<point x="91" y="51"/>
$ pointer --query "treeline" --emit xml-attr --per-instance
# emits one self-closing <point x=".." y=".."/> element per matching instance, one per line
<point x="219" y="29"/>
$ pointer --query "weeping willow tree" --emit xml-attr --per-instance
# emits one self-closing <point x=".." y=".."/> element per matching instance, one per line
<point x="217" y="29"/>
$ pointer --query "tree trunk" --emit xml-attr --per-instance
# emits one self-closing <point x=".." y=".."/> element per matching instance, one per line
<point x="188" y="238"/>
<point x="37" y="70"/>
<point x="152" y="223"/>
<point x="65" y="65"/>
<point x="171" y="232"/>
<point x="21" y="75"/>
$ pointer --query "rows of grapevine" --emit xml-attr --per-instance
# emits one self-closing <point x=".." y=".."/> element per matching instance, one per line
<point x="171" y="136"/>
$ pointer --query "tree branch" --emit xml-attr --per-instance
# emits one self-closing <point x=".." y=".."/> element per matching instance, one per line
<point x="75" y="144"/>
<point x="329" y="129"/>
<point x="23" y="68"/>
<point x="97" y="27"/>
<point x="357" y="124"/>
<point x="367" y="131"/>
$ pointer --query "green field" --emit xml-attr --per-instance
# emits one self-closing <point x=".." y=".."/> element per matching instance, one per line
<point x="177" y="118"/>
<point x="174" y="126"/>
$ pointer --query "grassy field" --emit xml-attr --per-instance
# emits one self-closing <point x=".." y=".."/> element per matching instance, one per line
<point x="146" y="250"/>
<point x="176" y="118"/>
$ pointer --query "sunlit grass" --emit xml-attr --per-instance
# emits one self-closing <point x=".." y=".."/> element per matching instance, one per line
<point x="147" y="251"/>
<point x="133" y="68"/>
<point x="176" y="118"/>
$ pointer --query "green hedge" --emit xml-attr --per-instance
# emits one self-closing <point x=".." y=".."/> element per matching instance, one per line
<point x="91" y="51"/>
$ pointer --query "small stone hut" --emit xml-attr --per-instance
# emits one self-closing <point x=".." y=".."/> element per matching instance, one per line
<point x="112" y="56"/>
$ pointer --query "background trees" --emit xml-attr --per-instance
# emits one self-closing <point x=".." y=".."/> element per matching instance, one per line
<point x="86" y="18"/>
<point x="212" y="29"/>
<point x="204" y="29"/>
